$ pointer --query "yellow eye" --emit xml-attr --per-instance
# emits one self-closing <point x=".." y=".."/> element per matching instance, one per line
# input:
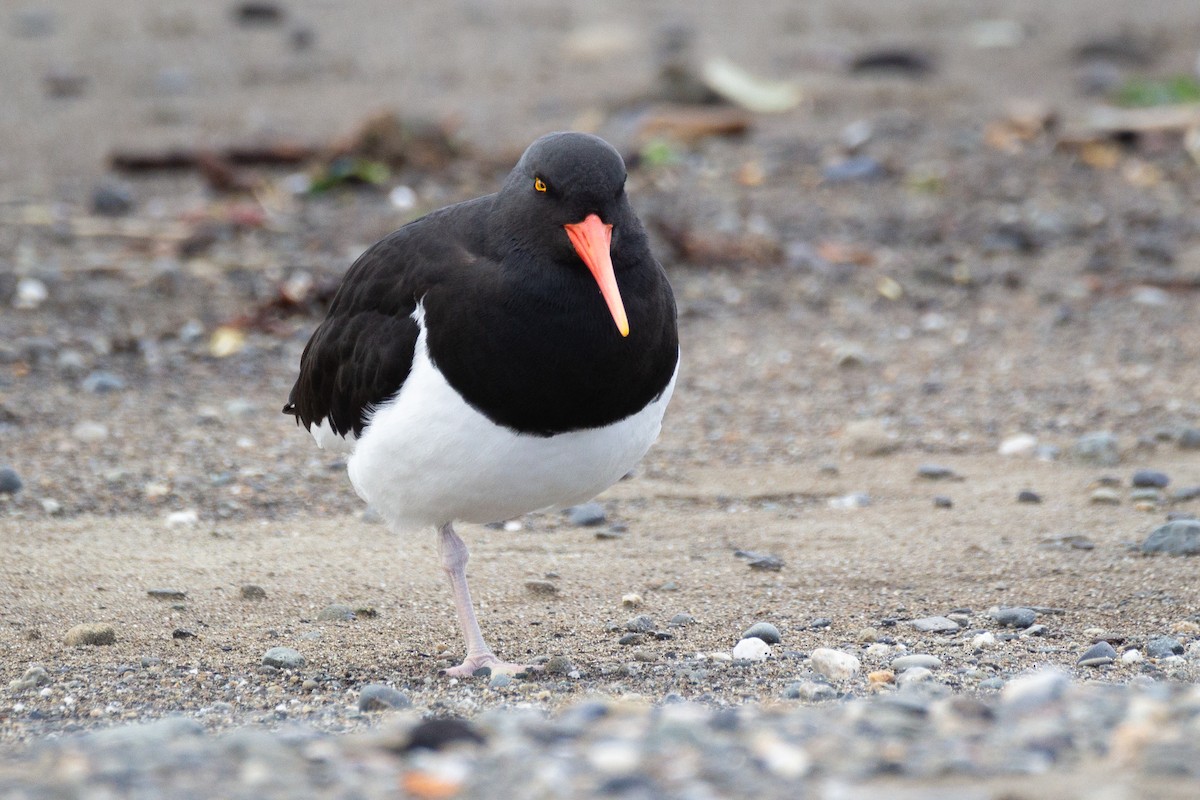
<point x="539" y="185"/>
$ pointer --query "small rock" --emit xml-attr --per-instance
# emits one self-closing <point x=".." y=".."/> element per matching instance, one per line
<point x="167" y="594"/>
<point x="922" y="660"/>
<point x="834" y="664"/>
<point x="559" y="665"/>
<point x="10" y="481"/>
<point x="914" y="675"/>
<point x="32" y="678"/>
<point x="752" y="649"/>
<point x="640" y="624"/>
<point x="766" y="563"/>
<point x="881" y="676"/>
<point x="258" y="13"/>
<point x="586" y="515"/>
<point x="183" y="519"/>
<point x="381" y="697"/>
<point x="1189" y="439"/>
<point x="854" y="169"/>
<point x="183" y="633"/>
<point x="545" y="588"/>
<point x="936" y="472"/>
<point x="812" y="691"/>
<point x="283" y="658"/>
<point x="1073" y="541"/>
<point x="631" y="639"/>
<point x="680" y="620"/>
<point x="1163" y="647"/>
<point x="112" y="199"/>
<point x="983" y="641"/>
<point x="499" y="680"/>
<point x="631" y="600"/>
<point x="942" y="501"/>
<point x="91" y="634"/>
<point x="1098" y="655"/>
<point x="1014" y="617"/>
<point x="251" y="591"/>
<point x="1105" y="496"/>
<point x="1148" y="478"/>
<point x="869" y="437"/>
<point x="101" y="382"/>
<point x="89" y="431"/>
<point x="30" y="294"/>
<point x="1178" y="538"/>
<point x="1099" y="448"/>
<point x="1028" y="496"/>
<point x="820" y="623"/>
<point x="850" y="501"/>
<point x="336" y="612"/>
<point x="934" y="625"/>
<point x="765" y="631"/>
<point x="1131" y="656"/>
<point x="1033" y="692"/>
<point x="1022" y="444"/>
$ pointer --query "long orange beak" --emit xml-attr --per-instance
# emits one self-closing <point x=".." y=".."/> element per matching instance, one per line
<point x="592" y="239"/>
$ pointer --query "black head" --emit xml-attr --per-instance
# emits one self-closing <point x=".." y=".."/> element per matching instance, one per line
<point x="565" y="202"/>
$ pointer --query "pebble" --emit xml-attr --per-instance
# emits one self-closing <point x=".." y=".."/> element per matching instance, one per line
<point x="10" y="481"/>
<point x="934" y="625"/>
<point x="1178" y="538"/>
<point x="112" y="199"/>
<point x="752" y="649"/>
<point x="834" y="664"/>
<point x="251" y="591"/>
<point x="982" y="641"/>
<point x="854" y="169"/>
<point x="680" y="620"/>
<point x="30" y="294"/>
<point x="89" y="431"/>
<point x="500" y="680"/>
<point x="923" y="660"/>
<point x="32" y="678"/>
<point x="1143" y="478"/>
<point x="1014" y="617"/>
<point x="1131" y="656"/>
<point x="1028" y="496"/>
<point x="283" y="658"/>
<point x="167" y="594"/>
<point x="544" y="588"/>
<point x="560" y="665"/>
<point x="850" y="501"/>
<point x="381" y="697"/>
<point x="766" y="563"/>
<point x="1022" y="444"/>
<point x="936" y="472"/>
<point x="1163" y="647"/>
<point x="869" y="437"/>
<point x="1189" y="439"/>
<point x="631" y="600"/>
<point x="1098" y="655"/>
<point x="336" y="612"/>
<point x="586" y="515"/>
<point x="1100" y="448"/>
<point x="812" y="691"/>
<point x="942" y="501"/>
<point x="1105" y="496"/>
<point x="765" y="631"/>
<point x="914" y="675"/>
<point x="102" y="382"/>
<point x="640" y="624"/>
<point x="90" y="634"/>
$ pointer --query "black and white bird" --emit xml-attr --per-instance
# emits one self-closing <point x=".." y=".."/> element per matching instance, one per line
<point x="499" y="356"/>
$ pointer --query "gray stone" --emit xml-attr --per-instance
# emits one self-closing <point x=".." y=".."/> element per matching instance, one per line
<point x="632" y="638"/>
<point x="545" y="588"/>
<point x="1164" y="646"/>
<point x="10" y="481"/>
<point x="640" y="624"/>
<point x="853" y="170"/>
<point x="381" y="697"/>
<point x="934" y="625"/>
<point x="680" y="620"/>
<point x="499" y="680"/>
<point x="936" y="472"/>
<point x="167" y="594"/>
<point x="1098" y="655"/>
<point x="102" y="382"/>
<point x="1100" y="448"/>
<point x="767" y="563"/>
<point x="1028" y="496"/>
<point x="923" y="660"/>
<point x="252" y="591"/>
<point x="942" y="501"/>
<point x="765" y="631"/>
<point x="812" y="691"/>
<point x="1178" y="538"/>
<point x="1185" y="493"/>
<point x="91" y="634"/>
<point x="283" y="658"/>
<point x="1189" y="439"/>
<point x="1150" y="478"/>
<point x="1015" y="617"/>
<point x="586" y="514"/>
<point x="336" y="612"/>
<point x="558" y="665"/>
<point x="112" y="199"/>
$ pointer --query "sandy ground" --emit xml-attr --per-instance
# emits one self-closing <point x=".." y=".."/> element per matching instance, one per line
<point x="782" y="361"/>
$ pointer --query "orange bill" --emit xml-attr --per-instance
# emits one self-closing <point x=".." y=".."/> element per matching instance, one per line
<point x="592" y="239"/>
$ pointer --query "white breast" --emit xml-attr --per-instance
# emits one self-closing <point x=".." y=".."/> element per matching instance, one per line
<point x="428" y="458"/>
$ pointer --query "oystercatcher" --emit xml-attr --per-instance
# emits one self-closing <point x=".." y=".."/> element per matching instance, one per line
<point x="503" y="355"/>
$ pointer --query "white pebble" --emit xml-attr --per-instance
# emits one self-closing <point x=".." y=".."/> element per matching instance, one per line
<point x="89" y="431"/>
<point x="877" y="651"/>
<point x="784" y="760"/>
<point x="613" y="757"/>
<point x="402" y="198"/>
<point x="51" y="506"/>
<point x="631" y="600"/>
<point x="1131" y="656"/>
<point x="31" y="293"/>
<point x="183" y="519"/>
<point x="834" y="664"/>
<point x="914" y="675"/>
<point x="513" y="525"/>
<point x="721" y="656"/>
<point x="983" y="640"/>
<point x="850" y="501"/>
<point x="1023" y="444"/>
<point x="752" y="649"/>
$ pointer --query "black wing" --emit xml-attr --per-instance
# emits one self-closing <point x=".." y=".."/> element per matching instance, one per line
<point x="362" y="352"/>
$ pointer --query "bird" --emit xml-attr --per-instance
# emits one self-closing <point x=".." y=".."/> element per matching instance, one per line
<point x="503" y="355"/>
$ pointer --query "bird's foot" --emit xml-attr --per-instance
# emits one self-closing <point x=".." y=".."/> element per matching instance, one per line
<point x="473" y="664"/>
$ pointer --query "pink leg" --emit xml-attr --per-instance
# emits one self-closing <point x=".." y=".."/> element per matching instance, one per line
<point x="454" y="555"/>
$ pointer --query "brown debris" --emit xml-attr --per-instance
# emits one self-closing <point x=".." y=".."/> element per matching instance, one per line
<point x="689" y="124"/>
<point x="398" y="142"/>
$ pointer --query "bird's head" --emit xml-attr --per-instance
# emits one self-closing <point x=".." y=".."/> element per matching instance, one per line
<point x="565" y="199"/>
